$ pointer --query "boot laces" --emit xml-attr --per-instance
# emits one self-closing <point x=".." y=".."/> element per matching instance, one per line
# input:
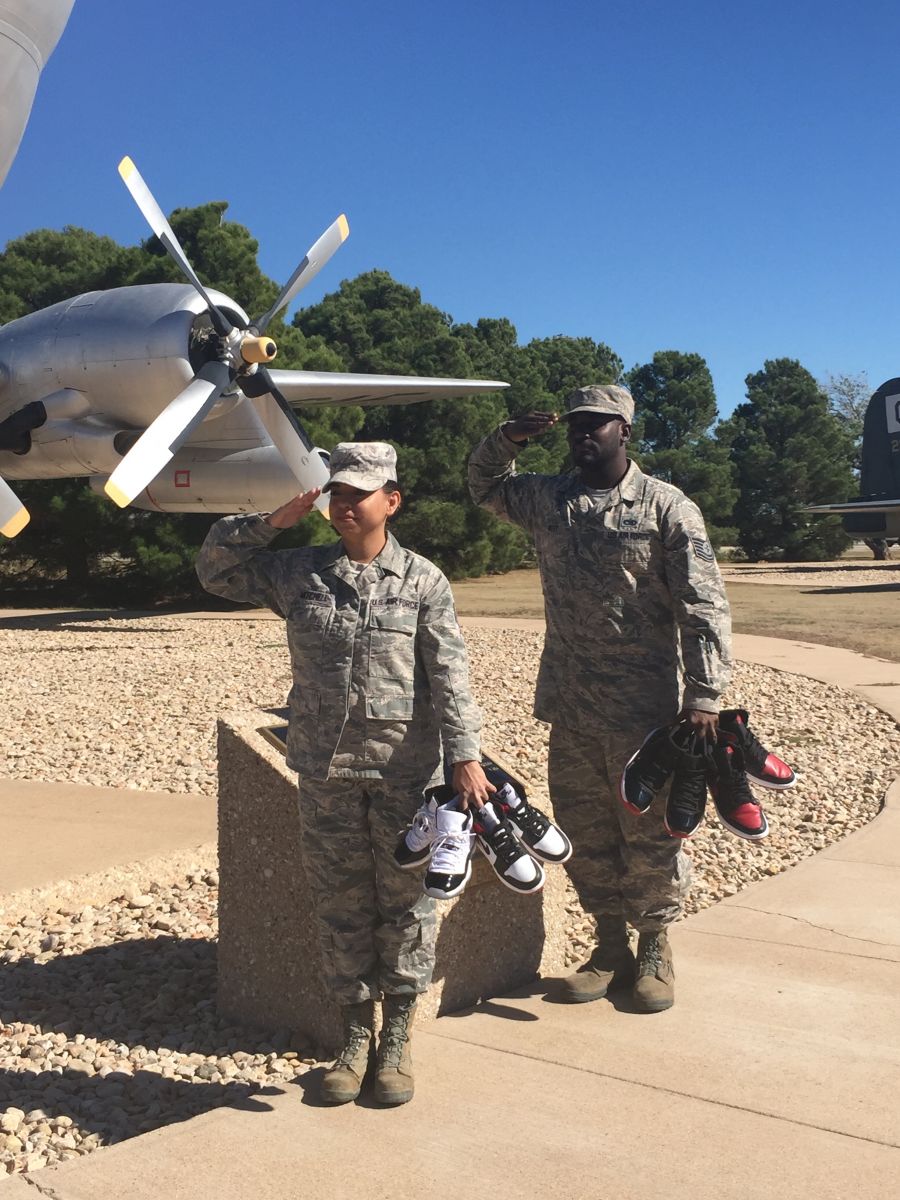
<point x="394" y="1037"/>
<point x="651" y="956"/>
<point x="357" y="1036"/>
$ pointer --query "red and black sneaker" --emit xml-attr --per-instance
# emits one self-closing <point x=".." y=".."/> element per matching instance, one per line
<point x="761" y="765"/>
<point x="738" y="808"/>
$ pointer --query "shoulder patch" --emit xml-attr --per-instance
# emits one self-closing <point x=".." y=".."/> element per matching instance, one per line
<point x="703" y="549"/>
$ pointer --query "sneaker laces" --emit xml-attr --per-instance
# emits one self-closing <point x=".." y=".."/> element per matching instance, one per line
<point x="690" y="793"/>
<point x="503" y="842"/>
<point x="528" y="819"/>
<point x="737" y="790"/>
<point x="749" y="744"/>
<point x="446" y="851"/>
<point x="419" y="834"/>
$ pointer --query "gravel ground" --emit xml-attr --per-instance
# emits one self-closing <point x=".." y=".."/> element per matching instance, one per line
<point x="819" y="575"/>
<point x="107" y="1016"/>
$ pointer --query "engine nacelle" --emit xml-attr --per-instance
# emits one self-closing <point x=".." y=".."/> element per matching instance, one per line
<point x="200" y="479"/>
<point x="61" y="449"/>
<point x="127" y="349"/>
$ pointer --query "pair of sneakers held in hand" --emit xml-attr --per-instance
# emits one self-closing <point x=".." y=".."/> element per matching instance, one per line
<point x="695" y="764"/>
<point x="513" y="835"/>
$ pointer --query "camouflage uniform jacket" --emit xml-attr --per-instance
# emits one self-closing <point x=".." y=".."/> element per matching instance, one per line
<point x="380" y="679"/>
<point x="633" y="598"/>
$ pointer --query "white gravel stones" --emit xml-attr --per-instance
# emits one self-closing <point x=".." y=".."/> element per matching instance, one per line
<point x="107" y="1014"/>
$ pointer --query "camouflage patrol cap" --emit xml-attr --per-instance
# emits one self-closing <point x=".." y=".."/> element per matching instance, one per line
<point x="602" y="398"/>
<point x="364" y="465"/>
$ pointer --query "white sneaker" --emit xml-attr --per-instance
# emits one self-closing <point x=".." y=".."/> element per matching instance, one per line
<point x="512" y="863"/>
<point x="414" y="847"/>
<point x="451" y="852"/>
<point x="533" y="828"/>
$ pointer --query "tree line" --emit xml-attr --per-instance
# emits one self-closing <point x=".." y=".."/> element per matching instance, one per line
<point x="790" y="444"/>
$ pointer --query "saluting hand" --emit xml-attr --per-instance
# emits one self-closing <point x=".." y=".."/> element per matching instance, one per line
<point x="533" y="424"/>
<point x="295" y="510"/>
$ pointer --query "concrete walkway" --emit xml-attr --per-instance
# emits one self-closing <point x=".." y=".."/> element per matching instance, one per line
<point x="61" y="830"/>
<point x="776" y="1074"/>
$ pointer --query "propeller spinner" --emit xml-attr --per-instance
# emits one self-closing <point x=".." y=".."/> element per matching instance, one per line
<point x="241" y="360"/>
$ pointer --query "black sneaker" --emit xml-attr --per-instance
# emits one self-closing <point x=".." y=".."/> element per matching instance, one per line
<point x="648" y="769"/>
<point x="761" y="765"/>
<point x="538" y="834"/>
<point x="738" y="808"/>
<point x="686" y="802"/>
<point x="512" y="863"/>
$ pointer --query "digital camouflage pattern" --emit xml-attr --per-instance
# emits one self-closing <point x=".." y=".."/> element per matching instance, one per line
<point x="380" y="682"/>
<point x="625" y="866"/>
<point x="634" y="601"/>
<point x="376" y="926"/>
<point x="364" y="465"/>
<point x="380" y="673"/>
<point x="638" y="626"/>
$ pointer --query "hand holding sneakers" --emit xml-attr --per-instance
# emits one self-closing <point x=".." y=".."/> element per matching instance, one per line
<point x="672" y="750"/>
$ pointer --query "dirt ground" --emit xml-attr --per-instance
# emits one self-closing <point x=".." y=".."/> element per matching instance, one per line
<point x="850" y="604"/>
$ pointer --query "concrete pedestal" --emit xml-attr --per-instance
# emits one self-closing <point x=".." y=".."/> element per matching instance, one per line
<point x="270" y="973"/>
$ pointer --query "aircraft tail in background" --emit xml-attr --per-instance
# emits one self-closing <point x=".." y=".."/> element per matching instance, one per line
<point x="876" y="514"/>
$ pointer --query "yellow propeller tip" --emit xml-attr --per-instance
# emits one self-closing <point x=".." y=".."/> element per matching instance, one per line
<point x="16" y="523"/>
<point x="116" y="494"/>
<point x="126" y="167"/>
<point x="344" y="227"/>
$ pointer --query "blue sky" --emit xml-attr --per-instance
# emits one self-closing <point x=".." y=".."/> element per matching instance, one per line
<point x="656" y="175"/>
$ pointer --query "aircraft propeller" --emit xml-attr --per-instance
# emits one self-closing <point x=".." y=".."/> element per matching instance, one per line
<point x="242" y="355"/>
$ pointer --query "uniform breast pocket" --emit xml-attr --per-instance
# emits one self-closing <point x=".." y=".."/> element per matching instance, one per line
<point x="392" y="646"/>
<point x="308" y="623"/>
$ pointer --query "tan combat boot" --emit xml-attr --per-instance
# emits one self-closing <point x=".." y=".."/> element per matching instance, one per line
<point x="343" y="1081"/>
<point x="654" y="988"/>
<point x="611" y="965"/>
<point x="394" y="1077"/>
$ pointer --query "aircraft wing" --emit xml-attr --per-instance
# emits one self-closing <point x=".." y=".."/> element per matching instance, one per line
<point x="28" y="33"/>
<point x="857" y="506"/>
<point x="329" y="387"/>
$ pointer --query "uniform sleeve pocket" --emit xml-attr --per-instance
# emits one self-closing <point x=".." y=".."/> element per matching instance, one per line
<point x="390" y="706"/>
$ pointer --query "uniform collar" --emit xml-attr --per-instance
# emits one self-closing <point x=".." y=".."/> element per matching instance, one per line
<point x="629" y="488"/>
<point x="388" y="562"/>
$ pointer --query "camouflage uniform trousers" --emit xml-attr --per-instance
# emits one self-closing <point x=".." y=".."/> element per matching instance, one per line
<point x="376" y="927"/>
<point x="624" y="865"/>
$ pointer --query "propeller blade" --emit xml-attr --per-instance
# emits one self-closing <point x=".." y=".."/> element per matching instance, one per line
<point x="289" y="437"/>
<point x="157" y="444"/>
<point x="13" y="513"/>
<point x="153" y="215"/>
<point x="315" y="259"/>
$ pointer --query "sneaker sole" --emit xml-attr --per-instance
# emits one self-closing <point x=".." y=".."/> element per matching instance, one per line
<point x="537" y="855"/>
<point x="458" y="890"/>
<point x="742" y="833"/>
<point x="639" y="812"/>
<point x="514" y="887"/>
<point x="684" y="837"/>
<point x="773" y="787"/>
<point x="415" y="863"/>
